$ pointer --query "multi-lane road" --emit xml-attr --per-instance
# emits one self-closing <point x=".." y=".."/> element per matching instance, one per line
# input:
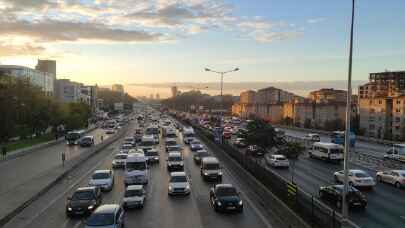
<point x="160" y="210"/>
<point x="386" y="204"/>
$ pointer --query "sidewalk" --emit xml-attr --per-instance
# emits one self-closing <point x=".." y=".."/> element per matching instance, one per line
<point x="28" y="177"/>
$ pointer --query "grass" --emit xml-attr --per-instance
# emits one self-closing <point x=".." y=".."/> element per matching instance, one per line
<point x="11" y="146"/>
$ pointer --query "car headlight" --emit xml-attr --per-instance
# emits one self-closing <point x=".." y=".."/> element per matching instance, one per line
<point x="90" y="207"/>
<point x="240" y="203"/>
<point x="188" y="187"/>
<point x="219" y="203"/>
<point x="170" y="188"/>
<point x="220" y="173"/>
<point x="205" y="174"/>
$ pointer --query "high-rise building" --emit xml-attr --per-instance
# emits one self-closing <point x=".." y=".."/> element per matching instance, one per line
<point x="174" y="91"/>
<point x="118" y="88"/>
<point x="44" y="80"/>
<point x="68" y="91"/>
<point x="380" y="107"/>
<point x="46" y="66"/>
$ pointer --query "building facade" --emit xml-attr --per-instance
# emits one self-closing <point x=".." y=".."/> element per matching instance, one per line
<point x="68" y="91"/>
<point x="380" y="105"/>
<point x="118" y="88"/>
<point x="174" y="91"/>
<point x="44" y="80"/>
<point x="46" y="66"/>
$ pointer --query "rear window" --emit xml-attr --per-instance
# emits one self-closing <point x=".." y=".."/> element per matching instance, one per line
<point x="98" y="219"/>
<point x="120" y="157"/>
<point x="101" y="176"/>
<point x="280" y="158"/>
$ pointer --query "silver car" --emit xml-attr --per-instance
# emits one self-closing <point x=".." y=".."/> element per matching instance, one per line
<point x="107" y="216"/>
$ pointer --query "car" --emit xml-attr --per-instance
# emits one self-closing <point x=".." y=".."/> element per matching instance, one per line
<point x="124" y="148"/>
<point x="110" y="131"/>
<point x="152" y="156"/>
<point x="255" y="150"/>
<point x="136" y="170"/>
<point x="103" y="179"/>
<point x="86" y="141"/>
<point x="83" y="201"/>
<point x="357" y="178"/>
<point x="210" y="169"/>
<point x="119" y="160"/>
<point x="277" y="160"/>
<point x="227" y="134"/>
<point x="107" y="216"/>
<point x="334" y="194"/>
<point x="199" y="155"/>
<point x="178" y="184"/>
<point x="175" y="148"/>
<point x="240" y="143"/>
<point x="313" y="137"/>
<point x="395" y="177"/>
<point x="130" y="140"/>
<point x="196" y="145"/>
<point x="225" y="197"/>
<point x="134" y="197"/>
<point x="175" y="161"/>
<point x="170" y="142"/>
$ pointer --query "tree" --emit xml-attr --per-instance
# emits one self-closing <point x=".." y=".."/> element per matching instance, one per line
<point x="110" y="97"/>
<point x="292" y="149"/>
<point x="262" y="134"/>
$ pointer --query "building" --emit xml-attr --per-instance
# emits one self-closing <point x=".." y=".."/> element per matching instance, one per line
<point x="157" y="96"/>
<point x="47" y="66"/>
<point x="328" y="95"/>
<point x="88" y="95"/>
<point x="44" y="80"/>
<point x="118" y="88"/>
<point x="174" y="91"/>
<point x="380" y="105"/>
<point x="68" y="91"/>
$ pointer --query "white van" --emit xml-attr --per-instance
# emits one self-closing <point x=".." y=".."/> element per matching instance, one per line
<point x="136" y="170"/>
<point x="326" y="151"/>
<point x="188" y="135"/>
<point x="147" y="142"/>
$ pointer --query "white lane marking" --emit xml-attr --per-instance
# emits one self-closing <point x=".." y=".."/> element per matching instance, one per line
<point x="77" y="224"/>
<point x="29" y="221"/>
<point x="65" y="223"/>
<point x="251" y="204"/>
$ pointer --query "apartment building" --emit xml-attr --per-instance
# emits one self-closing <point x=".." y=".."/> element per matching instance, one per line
<point x="67" y="91"/>
<point x="380" y="105"/>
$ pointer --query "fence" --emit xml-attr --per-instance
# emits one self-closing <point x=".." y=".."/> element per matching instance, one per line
<point x="308" y="207"/>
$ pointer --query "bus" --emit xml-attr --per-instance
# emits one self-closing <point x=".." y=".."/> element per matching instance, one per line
<point x="338" y="137"/>
<point x="326" y="151"/>
<point x="72" y="137"/>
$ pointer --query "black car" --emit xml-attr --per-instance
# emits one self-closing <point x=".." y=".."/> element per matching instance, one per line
<point x="83" y="201"/>
<point x="199" y="155"/>
<point x="86" y="141"/>
<point x="333" y="194"/>
<point x="225" y="197"/>
<point x="255" y="150"/>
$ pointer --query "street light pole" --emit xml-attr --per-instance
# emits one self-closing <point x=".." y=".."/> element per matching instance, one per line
<point x="348" y="112"/>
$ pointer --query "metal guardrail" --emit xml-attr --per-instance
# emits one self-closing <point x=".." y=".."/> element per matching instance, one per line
<point x="307" y="206"/>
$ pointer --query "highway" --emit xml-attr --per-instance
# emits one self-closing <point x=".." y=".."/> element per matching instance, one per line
<point x="386" y="204"/>
<point x="21" y="170"/>
<point x="159" y="211"/>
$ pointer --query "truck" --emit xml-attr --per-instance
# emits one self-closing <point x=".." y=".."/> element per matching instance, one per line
<point x="136" y="170"/>
<point x="188" y="135"/>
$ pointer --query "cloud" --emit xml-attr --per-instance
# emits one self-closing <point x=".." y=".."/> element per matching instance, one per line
<point x="54" y="31"/>
<point x="22" y="49"/>
<point x="267" y="37"/>
<point x="316" y="20"/>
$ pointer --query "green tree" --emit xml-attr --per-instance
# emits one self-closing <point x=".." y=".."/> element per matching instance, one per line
<point x="262" y="134"/>
<point x="292" y="149"/>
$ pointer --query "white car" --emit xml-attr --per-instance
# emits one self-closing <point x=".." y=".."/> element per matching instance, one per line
<point x="277" y="160"/>
<point x="103" y="179"/>
<point x="357" y="178"/>
<point x="179" y="184"/>
<point x="119" y="160"/>
<point x="134" y="196"/>
<point x="395" y="177"/>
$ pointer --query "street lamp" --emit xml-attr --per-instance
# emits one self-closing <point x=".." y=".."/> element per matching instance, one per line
<point x="348" y="112"/>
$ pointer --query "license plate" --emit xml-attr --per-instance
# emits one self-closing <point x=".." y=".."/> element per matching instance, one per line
<point x="231" y="208"/>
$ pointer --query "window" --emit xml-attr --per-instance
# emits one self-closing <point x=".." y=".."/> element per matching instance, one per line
<point x="379" y="102"/>
<point x="397" y="119"/>
<point x="371" y="118"/>
<point x="371" y="102"/>
<point x="396" y="127"/>
<point x="398" y="101"/>
<point x="397" y="110"/>
<point x="372" y="110"/>
<point x="372" y="127"/>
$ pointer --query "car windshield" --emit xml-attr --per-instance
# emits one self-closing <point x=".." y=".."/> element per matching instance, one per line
<point x="120" y="157"/>
<point x="227" y="191"/>
<point x="335" y="151"/>
<point x="98" y="176"/>
<point x="147" y="143"/>
<point x="281" y="158"/>
<point x="83" y="195"/>
<point x="151" y="153"/>
<point x="98" y="219"/>
<point x="126" y="147"/>
<point x="211" y="166"/>
<point x="173" y="148"/>
<point x="135" y="166"/>
<point x="171" y="142"/>
<point x="174" y="179"/>
<point x="361" y="175"/>
<point x="175" y="158"/>
<point x="132" y="193"/>
<point x="203" y="154"/>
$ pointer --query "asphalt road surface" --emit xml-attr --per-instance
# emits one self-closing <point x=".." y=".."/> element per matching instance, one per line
<point x="159" y="211"/>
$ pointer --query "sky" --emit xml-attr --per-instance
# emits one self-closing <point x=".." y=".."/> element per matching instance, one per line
<point x="153" y="41"/>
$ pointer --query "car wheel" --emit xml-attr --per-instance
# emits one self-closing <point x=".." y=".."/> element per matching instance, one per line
<point x="336" y="179"/>
<point x="397" y="185"/>
<point x="379" y="179"/>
